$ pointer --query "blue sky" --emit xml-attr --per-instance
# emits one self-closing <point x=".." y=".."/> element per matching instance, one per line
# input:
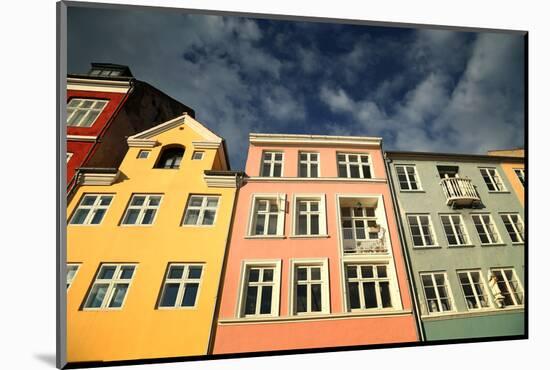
<point x="419" y="89"/>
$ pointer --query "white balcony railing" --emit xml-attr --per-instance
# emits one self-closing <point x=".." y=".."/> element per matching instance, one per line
<point x="459" y="191"/>
<point x="368" y="246"/>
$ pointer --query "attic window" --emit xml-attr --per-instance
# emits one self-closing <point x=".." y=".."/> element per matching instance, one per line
<point x="105" y="72"/>
<point x="170" y="158"/>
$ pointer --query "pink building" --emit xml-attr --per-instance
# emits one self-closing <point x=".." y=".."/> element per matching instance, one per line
<point x="314" y="258"/>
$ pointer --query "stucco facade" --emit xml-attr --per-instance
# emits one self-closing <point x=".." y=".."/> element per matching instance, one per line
<point x="304" y="235"/>
<point x="145" y="315"/>
<point x="514" y="170"/>
<point x="465" y="243"/>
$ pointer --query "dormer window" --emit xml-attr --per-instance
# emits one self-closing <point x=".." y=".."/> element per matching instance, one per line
<point x="170" y="158"/>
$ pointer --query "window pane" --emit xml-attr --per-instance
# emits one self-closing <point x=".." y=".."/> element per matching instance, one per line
<point x="80" y="216"/>
<point x="352" y="271"/>
<point x="314" y="225"/>
<point x="195" y="201"/>
<point x="370" y="295"/>
<point x="268" y="275"/>
<point x="98" y="216"/>
<point x="272" y="227"/>
<point x="277" y="170"/>
<point x="302" y="225"/>
<point x="212" y="202"/>
<point x="154" y="201"/>
<point x="259" y="229"/>
<point x="366" y="271"/>
<point x="278" y="156"/>
<point x="250" y="304"/>
<point x="105" y="200"/>
<point x="106" y="272"/>
<point x="118" y="295"/>
<point x="190" y="294"/>
<point x="88" y="200"/>
<point x="366" y="172"/>
<point x="302" y="273"/>
<point x="265" y="169"/>
<point x="253" y="275"/>
<point x="301" y="299"/>
<point x="381" y="271"/>
<point x="313" y="170"/>
<point x="137" y="200"/>
<point x="191" y="217"/>
<point x="131" y="217"/>
<point x="316" y="273"/>
<point x="342" y="172"/>
<point x="385" y="294"/>
<point x="316" y="298"/>
<point x="354" y="171"/>
<point x="208" y="217"/>
<point x="148" y="217"/>
<point x="265" y="306"/>
<point x="303" y="170"/>
<point x="96" y="295"/>
<point x="176" y="272"/>
<point x="127" y="272"/>
<point x="354" y="295"/>
<point x="195" y="272"/>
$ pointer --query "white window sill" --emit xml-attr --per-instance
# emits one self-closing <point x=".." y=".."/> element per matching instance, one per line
<point x="472" y="313"/>
<point x="204" y="226"/>
<point x="427" y="247"/>
<point x="308" y="236"/>
<point x="498" y="191"/>
<point x="264" y="237"/>
<point x="413" y="191"/>
<point x="462" y="246"/>
<point x="493" y="245"/>
<point x="136" y="225"/>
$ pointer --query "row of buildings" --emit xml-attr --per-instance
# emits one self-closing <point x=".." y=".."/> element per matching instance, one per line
<point x="322" y="242"/>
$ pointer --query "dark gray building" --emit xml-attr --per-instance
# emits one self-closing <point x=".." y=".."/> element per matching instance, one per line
<point x="463" y="231"/>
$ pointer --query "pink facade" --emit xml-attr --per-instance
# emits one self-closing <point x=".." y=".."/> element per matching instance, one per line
<point x="343" y="283"/>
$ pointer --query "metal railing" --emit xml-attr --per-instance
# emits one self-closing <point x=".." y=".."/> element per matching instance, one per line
<point x="459" y="190"/>
<point x="368" y="246"/>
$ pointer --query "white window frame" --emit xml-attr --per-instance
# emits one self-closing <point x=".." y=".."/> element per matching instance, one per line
<point x="520" y="173"/>
<point x="143" y="154"/>
<point x="407" y="176"/>
<point x="438" y="297"/>
<point x="360" y="163"/>
<point x="111" y="284"/>
<point x="87" y="111"/>
<point x="390" y="279"/>
<point x="243" y="286"/>
<point x="281" y="206"/>
<point x="495" y="180"/>
<point x="508" y="286"/>
<point x="272" y="161"/>
<point x="202" y="208"/>
<point x="93" y="208"/>
<point x="365" y="219"/>
<point x="198" y="155"/>
<point x="308" y="162"/>
<point x="422" y="235"/>
<point x="462" y="227"/>
<point x="183" y="281"/>
<point x="70" y="266"/>
<point x="322" y="263"/>
<point x="142" y="209"/>
<point x="471" y="283"/>
<point x="321" y="212"/>
<point x="520" y="234"/>
<point x="486" y="228"/>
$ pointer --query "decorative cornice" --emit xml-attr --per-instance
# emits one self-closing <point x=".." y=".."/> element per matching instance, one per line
<point x="324" y="140"/>
<point x="141" y="143"/>
<point x="217" y="181"/>
<point x="158" y="129"/>
<point x="98" y="179"/>
<point x="206" y="144"/>
<point x="90" y="84"/>
<point x="92" y="139"/>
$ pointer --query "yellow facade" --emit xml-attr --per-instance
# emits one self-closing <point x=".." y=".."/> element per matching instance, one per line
<point x="141" y="330"/>
<point x="511" y="167"/>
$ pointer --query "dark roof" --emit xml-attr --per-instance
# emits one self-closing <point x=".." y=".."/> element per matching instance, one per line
<point x="97" y="170"/>
<point x="223" y="173"/>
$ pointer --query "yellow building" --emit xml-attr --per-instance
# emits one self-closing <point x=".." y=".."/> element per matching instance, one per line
<point x="145" y="247"/>
<point x="514" y="168"/>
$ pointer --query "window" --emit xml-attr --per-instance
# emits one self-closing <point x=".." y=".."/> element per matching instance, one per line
<point x="447" y="171"/>
<point x="407" y="177"/>
<point x="354" y="166"/>
<point x="310" y="289"/>
<point x="143" y="154"/>
<point x="474" y="289"/>
<point x="69" y="155"/>
<point x="110" y="286"/>
<point x="514" y="226"/>
<point x="201" y="210"/>
<point x="309" y="165"/>
<point x="455" y="230"/>
<point x="268" y="216"/>
<point x="170" y="158"/>
<point x="197" y="156"/>
<point x="368" y="286"/>
<point x="72" y="269"/>
<point x="91" y="209"/>
<point x="520" y="173"/>
<point x="359" y="223"/>
<point x="142" y="209"/>
<point x="84" y="112"/>
<point x="436" y="292"/>
<point x="492" y="179"/>
<point x="260" y="291"/>
<point x="509" y="286"/>
<point x="486" y="229"/>
<point x="181" y="285"/>
<point x="310" y="216"/>
<point x="421" y="230"/>
<point x="272" y="164"/>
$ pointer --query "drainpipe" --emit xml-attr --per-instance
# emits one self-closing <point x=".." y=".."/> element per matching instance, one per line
<point x="402" y="239"/>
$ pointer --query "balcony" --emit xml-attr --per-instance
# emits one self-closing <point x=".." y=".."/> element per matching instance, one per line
<point x="376" y="245"/>
<point x="459" y="191"/>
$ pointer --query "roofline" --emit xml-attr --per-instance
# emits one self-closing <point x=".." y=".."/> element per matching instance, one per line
<point x="259" y="138"/>
<point x="81" y="76"/>
<point x="484" y="157"/>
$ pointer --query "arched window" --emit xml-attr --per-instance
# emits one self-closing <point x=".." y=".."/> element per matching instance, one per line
<point x="170" y="157"/>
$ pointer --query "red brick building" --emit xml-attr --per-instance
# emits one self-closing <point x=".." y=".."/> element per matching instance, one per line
<point x="104" y="107"/>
